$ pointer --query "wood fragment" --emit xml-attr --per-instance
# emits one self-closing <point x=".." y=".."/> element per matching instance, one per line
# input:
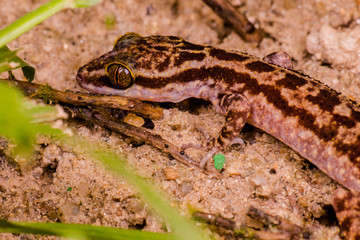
<point x="214" y="219"/>
<point x="76" y="104"/>
<point x="103" y="119"/>
<point x="285" y="230"/>
<point x="243" y="27"/>
<point x="288" y="229"/>
<point x="83" y="99"/>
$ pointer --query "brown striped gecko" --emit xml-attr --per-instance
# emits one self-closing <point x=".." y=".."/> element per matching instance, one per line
<point x="313" y="119"/>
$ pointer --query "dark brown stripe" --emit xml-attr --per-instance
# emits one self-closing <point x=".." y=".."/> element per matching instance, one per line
<point x="161" y="48"/>
<point x="226" y="134"/>
<point x="140" y="49"/>
<point x="227" y="56"/>
<point x="188" y="56"/>
<point x="326" y="99"/>
<point x="354" y="114"/>
<point x="346" y="223"/>
<point x="273" y="95"/>
<point x="352" y="150"/>
<point x="162" y="66"/>
<point x="291" y="81"/>
<point x="190" y="46"/>
<point x="344" y="121"/>
<point x="173" y="38"/>
<point x="259" y="66"/>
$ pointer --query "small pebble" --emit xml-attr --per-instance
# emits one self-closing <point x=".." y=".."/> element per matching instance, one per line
<point x="186" y="187"/>
<point x="134" y="120"/>
<point x="176" y="127"/>
<point x="170" y="173"/>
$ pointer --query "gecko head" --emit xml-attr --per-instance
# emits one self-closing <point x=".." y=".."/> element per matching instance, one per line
<point x="135" y="68"/>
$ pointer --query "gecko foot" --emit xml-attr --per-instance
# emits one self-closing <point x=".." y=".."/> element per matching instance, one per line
<point x="211" y="148"/>
<point x="215" y="149"/>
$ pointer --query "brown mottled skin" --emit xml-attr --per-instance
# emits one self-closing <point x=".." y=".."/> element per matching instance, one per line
<point x="313" y="119"/>
<point x="347" y="207"/>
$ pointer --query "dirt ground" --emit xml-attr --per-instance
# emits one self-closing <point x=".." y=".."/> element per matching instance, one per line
<point x="320" y="35"/>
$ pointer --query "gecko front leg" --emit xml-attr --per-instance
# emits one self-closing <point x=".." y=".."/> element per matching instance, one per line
<point x="236" y="109"/>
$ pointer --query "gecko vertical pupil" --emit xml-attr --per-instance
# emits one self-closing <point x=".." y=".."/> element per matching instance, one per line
<point x="119" y="75"/>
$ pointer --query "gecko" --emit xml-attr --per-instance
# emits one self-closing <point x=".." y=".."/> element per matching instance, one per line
<point x="316" y="121"/>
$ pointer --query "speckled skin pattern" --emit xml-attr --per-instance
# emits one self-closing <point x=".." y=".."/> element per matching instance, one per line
<point x="313" y="119"/>
<point x="347" y="206"/>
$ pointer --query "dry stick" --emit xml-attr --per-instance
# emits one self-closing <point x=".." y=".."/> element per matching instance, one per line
<point x="214" y="219"/>
<point x="286" y="229"/>
<point x="83" y="99"/>
<point x="239" y="22"/>
<point x="292" y="230"/>
<point x="103" y="118"/>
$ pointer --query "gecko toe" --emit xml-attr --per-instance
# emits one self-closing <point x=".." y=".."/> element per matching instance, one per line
<point x="208" y="156"/>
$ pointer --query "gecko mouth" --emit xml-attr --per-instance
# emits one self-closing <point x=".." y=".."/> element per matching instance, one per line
<point x="94" y="80"/>
<point x="80" y="78"/>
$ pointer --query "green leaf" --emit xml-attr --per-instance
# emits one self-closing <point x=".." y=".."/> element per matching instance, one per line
<point x="10" y="61"/>
<point x="26" y="22"/>
<point x="79" y="231"/>
<point x="219" y="161"/>
<point x="17" y="117"/>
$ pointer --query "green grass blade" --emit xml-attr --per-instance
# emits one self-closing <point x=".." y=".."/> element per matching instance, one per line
<point x="80" y="231"/>
<point x="35" y="17"/>
<point x="85" y="3"/>
<point x="16" y="117"/>
<point x="30" y="20"/>
<point x="182" y="228"/>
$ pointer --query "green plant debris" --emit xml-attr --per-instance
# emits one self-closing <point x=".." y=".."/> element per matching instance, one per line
<point x="110" y="21"/>
<point x="245" y="233"/>
<point x="10" y="61"/>
<point x="69" y="189"/>
<point x="18" y="117"/>
<point x="219" y="161"/>
<point x="45" y="94"/>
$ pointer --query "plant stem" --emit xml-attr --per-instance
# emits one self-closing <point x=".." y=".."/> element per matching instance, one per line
<point x="30" y="20"/>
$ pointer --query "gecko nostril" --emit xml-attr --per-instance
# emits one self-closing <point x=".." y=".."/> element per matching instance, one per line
<point x="79" y="78"/>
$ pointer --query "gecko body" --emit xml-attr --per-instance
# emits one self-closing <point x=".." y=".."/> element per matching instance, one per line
<point x="316" y="121"/>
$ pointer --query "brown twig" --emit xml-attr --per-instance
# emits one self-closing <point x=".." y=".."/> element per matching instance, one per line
<point x="214" y="219"/>
<point x="290" y="230"/>
<point x="239" y="22"/>
<point x="77" y="105"/>
<point x="102" y="119"/>
<point x="285" y="229"/>
<point x="48" y="94"/>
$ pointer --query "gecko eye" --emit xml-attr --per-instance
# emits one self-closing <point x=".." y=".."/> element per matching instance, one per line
<point x="120" y="75"/>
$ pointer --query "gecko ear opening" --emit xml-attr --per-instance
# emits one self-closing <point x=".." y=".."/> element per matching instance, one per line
<point x="120" y="75"/>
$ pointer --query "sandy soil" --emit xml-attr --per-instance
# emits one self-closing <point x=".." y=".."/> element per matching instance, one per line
<point x="322" y="38"/>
